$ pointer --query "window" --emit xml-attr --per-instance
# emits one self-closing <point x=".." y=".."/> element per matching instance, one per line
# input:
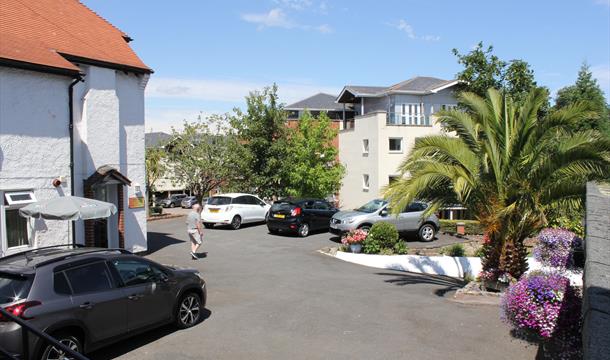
<point x="365" y="146"/>
<point x="135" y="272"/>
<point x="240" y="200"/>
<point x="219" y="200"/>
<point x="321" y="205"/>
<point x="395" y="144"/>
<point x="365" y="182"/>
<point x="14" y="229"/>
<point x="89" y="278"/>
<point x="14" y="287"/>
<point x="60" y="284"/>
<point x="448" y="106"/>
<point x="415" y="207"/>
<point x="412" y="114"/>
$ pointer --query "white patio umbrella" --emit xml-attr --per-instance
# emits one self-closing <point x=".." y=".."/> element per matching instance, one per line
<point x="68" y="208"/>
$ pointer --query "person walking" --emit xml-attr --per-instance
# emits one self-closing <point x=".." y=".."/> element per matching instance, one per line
<point x="194" y="229"/>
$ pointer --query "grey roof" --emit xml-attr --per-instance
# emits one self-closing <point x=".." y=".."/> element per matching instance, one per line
<point x="320" y="101"/>
<point x="156" y="139"/>
<point x="418" y="84"/>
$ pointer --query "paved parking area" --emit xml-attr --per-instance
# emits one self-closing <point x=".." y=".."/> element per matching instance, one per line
<point x="276" y="297"/>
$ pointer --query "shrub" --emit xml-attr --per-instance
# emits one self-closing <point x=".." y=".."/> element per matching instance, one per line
<point x="382" y="235"/>
<point x="454" y="250"/>
<point x="545" y="307"/>
<point x="480" y="252"/>
<point x="555" y="247"/>
<point x="472" y="227"/>
<point x="401" y="248"/>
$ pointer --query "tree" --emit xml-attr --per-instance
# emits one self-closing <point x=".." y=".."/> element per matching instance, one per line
<point x="508" y="165"/>
<point x="262" y="131"/>
<point x="484" y="70"/>
<point x="314" y="168"/>
<point x="588" y="90"/>
<point x="155" y="168"/>
<point x="206" y="155"/>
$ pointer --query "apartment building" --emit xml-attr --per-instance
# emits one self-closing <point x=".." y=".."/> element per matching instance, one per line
<point x="387" y="121"/>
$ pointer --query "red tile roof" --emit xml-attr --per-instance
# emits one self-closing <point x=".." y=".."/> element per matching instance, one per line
<point x="51" y="32"/>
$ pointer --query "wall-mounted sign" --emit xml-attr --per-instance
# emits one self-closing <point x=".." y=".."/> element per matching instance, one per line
<point x="136" y="202"/>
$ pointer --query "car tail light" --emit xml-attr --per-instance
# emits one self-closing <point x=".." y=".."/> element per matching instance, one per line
<point x="295" y="212"/>
<point x="19" y="309"/>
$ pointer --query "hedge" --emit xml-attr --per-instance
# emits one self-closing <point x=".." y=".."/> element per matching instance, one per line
<point x="472" y="227"/>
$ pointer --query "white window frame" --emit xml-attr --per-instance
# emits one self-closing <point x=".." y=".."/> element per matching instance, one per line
<point x="366" y="182"/>
<point x="400" y="142"/>
<point x="366" y="144"/>
<point x="8" y="196"/>
<point x="15" y="205"/>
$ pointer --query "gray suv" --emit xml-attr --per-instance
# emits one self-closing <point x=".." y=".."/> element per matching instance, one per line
<point x="87" y="298"/>
<point x="409" y="220"/>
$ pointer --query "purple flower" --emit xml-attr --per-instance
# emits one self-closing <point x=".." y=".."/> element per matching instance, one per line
<point x="555" y="247"/>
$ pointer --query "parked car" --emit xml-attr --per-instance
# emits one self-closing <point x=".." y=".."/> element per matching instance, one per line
<point x="172" y="201"/>
<point x="408" y="221"/>
<point x="234" y="210"/>
<point x="300" y="216"/>
<point x="189" y="201"/>
<point x="87" y="298"/>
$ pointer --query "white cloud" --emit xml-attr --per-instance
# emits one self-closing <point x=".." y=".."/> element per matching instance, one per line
<point x="278" y="18"/>
<point x="408" y="29"/>
<point x="163" y="119"/>
<point x="231" y="91"/>
<point x="274" y="18"/>
<point x="602" y="74"/>
<point x="294" y="4"/>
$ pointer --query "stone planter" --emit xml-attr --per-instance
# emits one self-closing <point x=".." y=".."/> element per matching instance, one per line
<point x="494" y="285"/>
<point x="355" y="248"/>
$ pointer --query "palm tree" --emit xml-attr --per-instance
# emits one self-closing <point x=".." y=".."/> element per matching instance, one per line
<point x="508" y="165"/>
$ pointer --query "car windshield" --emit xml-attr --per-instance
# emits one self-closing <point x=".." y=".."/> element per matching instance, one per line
<point x="219" y="200"/>
<point x="13" y="288"/>
<point x="372" y="206"/>
<point x="282" y="205"/>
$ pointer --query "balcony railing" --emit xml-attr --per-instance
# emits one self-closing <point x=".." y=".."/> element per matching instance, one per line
<point x="398" y="119"/>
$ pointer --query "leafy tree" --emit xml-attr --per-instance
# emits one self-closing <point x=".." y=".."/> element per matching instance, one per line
<point x="262" y="131"/>
<point x="206" y="155"/>
<point x="155" y="168"/>
<point x="314" y="168"/>
<point x="484" y="70"/>
<point x="508" y="165"/>
<point x="586" y="89"/>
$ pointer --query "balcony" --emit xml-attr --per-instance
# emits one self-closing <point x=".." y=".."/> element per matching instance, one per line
<point x="398" y="119"/>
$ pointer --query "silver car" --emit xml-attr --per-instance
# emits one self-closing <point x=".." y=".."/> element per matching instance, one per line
<point x="410" y="220"/>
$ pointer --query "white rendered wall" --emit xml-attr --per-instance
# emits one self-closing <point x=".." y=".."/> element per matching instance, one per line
<point x="34" y="141"/>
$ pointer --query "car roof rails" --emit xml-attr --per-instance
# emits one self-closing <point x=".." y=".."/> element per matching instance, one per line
<point x="26" y="252"/>
<point x="84" y="252"/>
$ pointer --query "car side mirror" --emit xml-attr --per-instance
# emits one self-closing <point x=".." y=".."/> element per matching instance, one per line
<point x="383" y="212"/>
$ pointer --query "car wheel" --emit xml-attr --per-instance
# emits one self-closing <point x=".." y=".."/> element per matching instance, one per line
<point x="51" y="352"/>
<point x="303" y="230"/>
<point x="188" y="312"/>
<point x="236" y="222"/>
<point x="208" y="225"/>
<point x="426" y="232"/>
<point x="365" y="227"/>
<point x="172" y="205"/>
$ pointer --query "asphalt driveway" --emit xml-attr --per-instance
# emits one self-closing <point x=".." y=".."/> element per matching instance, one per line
<point x="276" y="297"/>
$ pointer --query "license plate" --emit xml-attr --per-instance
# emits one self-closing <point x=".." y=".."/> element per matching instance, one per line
<point x="279" y="216"/>
<point x="214" y="210"/>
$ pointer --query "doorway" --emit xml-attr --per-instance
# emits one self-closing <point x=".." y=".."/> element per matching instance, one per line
<point x="106" y="230"/>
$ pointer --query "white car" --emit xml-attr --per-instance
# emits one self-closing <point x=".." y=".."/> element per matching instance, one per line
<point x="234" y="210"/>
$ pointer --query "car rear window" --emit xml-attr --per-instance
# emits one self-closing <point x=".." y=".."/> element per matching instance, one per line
<point x="219" y="200"/>
<point x="14" y="287"/>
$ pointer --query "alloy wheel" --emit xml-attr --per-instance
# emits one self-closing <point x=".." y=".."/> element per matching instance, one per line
<point x="236" y="222"/>
<point x="57" y="354"/>
<point x="303" y="230"/>
<point x="427" y="233"/>
<point x="189" y="311"/>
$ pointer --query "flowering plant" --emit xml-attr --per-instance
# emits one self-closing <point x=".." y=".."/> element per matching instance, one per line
<point x="495" y="275"/>
<point x="354" y="237"/>
<point x="545" y="306"/>
<point x="555" y="247"/>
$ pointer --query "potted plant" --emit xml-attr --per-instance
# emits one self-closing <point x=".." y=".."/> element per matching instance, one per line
<point x="354" y="239"/>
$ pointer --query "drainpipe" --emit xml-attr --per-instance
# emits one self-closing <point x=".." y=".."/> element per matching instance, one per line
<point x="78" y="79"/>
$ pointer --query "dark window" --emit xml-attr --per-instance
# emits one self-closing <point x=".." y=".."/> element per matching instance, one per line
<point x="395" y="144"/>
<point x="134" y="272"/>
<point x="89" y="278"/>
<point x="16" y="229"/>
<point x="220" y="200"/>
<point x="321" y="205"/>
<point x="251" y="200"/>
<point x="60" y="284"/>
<point x="307" y="205"/>
<point x="413" y="207"/>
<point x="13" y="288"/>
<point x="240" y="200"/>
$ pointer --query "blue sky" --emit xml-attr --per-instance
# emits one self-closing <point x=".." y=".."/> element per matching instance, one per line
<point x="207" y="55"/>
